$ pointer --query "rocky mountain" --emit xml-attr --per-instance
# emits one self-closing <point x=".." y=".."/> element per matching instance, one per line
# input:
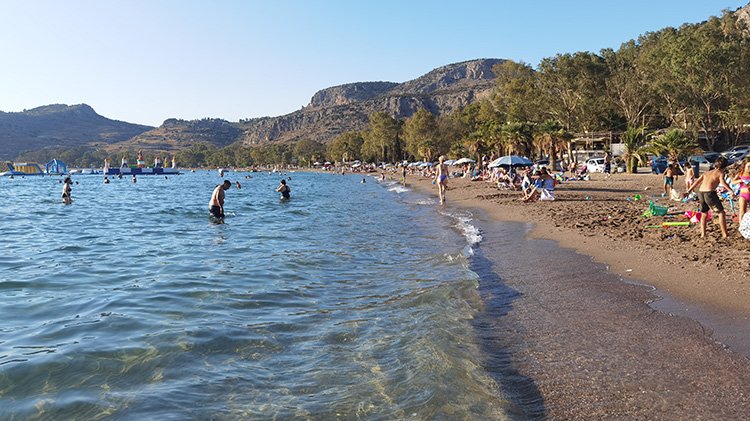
<point x="59" y="125"/>
<point x="333" y="110"/>
<point x="349" y="93"/>
<point x="339" y="109"/>
<point x="175" y="134"/>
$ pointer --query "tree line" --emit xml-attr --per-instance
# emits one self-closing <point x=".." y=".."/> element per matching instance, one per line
<point x="667" y="92"/>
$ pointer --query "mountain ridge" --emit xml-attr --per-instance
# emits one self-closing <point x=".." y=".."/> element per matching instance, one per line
<point x="330" y="112"/>
<point x="60" y="125"/>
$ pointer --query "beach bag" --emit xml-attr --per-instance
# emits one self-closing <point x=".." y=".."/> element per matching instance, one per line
<point x="675" y="195"/>
<point x="745" y="225"/>
<point x="547" y="195"/>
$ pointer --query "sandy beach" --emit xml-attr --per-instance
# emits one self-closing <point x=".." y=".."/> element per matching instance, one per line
<point x="596" y="218"/>
<point x="585" y="335"/>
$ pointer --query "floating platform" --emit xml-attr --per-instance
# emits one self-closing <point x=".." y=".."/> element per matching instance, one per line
<point x="21" y="169"/>
<point x="141" y="171"/>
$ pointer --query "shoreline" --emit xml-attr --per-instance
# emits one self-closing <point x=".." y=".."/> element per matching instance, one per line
<point x="584" y="341"/>
<point x="696" y="289"/>
<point x="682" y="280"/>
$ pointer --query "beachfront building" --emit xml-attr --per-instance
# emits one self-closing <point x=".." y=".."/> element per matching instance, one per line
<point x="595" y="144"/>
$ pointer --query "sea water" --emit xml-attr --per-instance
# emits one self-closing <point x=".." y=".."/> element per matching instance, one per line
<point x="352" y="300"/>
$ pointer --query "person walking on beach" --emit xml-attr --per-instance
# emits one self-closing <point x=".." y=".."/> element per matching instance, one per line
<point x="403" y="175"/>
<point x="441" y="178"/>
<point x="608" y="164"/>
<point x="707" y="184"/>
<point x="66" y="191"/>
<point x="284" y="190"/>
<point x="216" y="205"/>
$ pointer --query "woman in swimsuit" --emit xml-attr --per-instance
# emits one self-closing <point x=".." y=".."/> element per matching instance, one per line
<point x="284" y="190"/>
<point x="66" y="191"/>
<point x="441" y="178"/>
<point x="743" y="178"/>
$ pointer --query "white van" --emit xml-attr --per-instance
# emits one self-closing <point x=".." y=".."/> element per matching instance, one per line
<point x="595" y="165"/>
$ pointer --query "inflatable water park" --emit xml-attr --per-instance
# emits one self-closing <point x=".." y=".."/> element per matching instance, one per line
<point x="53" y="167"/>
<point x="57" y="167"/>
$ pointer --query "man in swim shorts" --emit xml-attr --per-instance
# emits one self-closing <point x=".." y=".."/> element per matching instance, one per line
<point x="708" y="182"/>
<point x="216" y="205"/>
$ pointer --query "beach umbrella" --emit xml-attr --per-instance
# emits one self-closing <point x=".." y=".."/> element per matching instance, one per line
<point x="450" y="162"/>
<point x="426" y="164"/>
<point x="510" y="161"/>
<point x="415" y="164"/>
<point x="464" y="161"/>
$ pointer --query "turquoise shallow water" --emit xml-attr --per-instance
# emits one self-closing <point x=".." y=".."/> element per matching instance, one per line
<point x="349" y="301"/>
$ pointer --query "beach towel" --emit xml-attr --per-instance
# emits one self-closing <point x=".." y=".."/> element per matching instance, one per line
<point x="745" y="226"/>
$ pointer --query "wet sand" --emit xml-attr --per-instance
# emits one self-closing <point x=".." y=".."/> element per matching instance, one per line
<point x="584" y="342"/>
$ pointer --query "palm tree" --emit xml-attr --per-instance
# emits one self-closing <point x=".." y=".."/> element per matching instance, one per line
<point x="516" y="137"/>
<point x="634" y="139"/>
<point x="674" y="144"/>
<point x="550" y="138"/>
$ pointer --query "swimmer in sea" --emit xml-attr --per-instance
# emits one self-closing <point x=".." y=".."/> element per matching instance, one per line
<point x="284" y="190"/>
<point x="237" y="183"/>
<point x="441" y="177"/>
<point x="66" y="192"/>
<point x="216" y="205"/>
<point x="134" y="180"/>
<point x="106" y="180"/>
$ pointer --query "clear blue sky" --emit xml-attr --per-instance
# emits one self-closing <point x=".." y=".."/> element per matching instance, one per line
<point x="144" y="61"/>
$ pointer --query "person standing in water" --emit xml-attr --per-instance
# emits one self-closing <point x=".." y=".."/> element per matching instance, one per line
<point x="216" y="205"/>
<point x="403" y="175"/>
<point x="284" y="190"/>
<point x="441" y="178"/>
<point x="66" y="191"/>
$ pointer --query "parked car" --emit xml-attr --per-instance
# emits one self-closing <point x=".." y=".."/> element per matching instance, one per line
<point x="711" y="156"/>
<point x="737" y="156"/>
<point x="700" y="164"/>
<point x="595" y="165"/>
<point x="545" y="163"/>
<point x="658" y="164"/>
<point x="734" y="150"/>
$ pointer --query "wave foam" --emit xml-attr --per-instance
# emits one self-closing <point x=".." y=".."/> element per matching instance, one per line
<point x="398" y="189"/>
<point x="472" y="234"/>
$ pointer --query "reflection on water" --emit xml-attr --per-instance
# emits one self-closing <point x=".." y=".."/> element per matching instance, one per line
<point x="348" y="301"/>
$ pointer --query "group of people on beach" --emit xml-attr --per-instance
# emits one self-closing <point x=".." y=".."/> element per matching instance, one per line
<point x="540" y="184"/>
